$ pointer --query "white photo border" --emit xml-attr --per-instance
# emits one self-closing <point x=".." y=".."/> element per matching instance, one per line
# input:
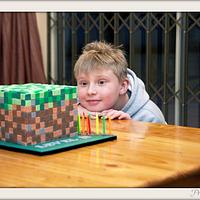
<point x="97" y="6"/>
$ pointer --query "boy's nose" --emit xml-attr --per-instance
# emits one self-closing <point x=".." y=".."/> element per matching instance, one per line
<point x="91" y="89"/>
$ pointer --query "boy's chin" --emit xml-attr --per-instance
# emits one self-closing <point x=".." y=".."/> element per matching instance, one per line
<point x="95" y="110"/>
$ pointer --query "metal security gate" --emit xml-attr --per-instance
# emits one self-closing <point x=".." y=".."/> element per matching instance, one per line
<point x="162" y="48"/>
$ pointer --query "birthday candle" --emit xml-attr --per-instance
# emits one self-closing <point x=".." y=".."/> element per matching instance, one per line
<point x="79" y="124"/>
<point x="97" y="123"/>
<point x="83" y="122"/>
<point x="109" y="125"/>
<point x="89" y="127"/>
<point x="103" y="125"/>
<point x="86" y="122"/>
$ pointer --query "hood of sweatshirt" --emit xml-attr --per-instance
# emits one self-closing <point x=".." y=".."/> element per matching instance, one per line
<point x="138" y="98"/>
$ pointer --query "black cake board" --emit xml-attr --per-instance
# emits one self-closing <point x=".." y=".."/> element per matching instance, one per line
<point x="62" y="144"/>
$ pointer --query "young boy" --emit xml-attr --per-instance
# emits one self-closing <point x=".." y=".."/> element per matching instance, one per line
<point x="107" y="86"/>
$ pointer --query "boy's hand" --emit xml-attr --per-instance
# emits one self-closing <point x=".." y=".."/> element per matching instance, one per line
<point x="82" y="110"/>
<point x="115" y="114"/>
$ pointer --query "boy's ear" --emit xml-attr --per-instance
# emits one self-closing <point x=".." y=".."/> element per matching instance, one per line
<point x="124" y="86"/>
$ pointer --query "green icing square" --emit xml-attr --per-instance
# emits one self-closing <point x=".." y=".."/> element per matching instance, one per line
<point x="67" y="91"/>
<point x="45" y="99"/>
<point x="28" y="103"/>
<point x="9" y="101"/>
<point x="41" y="101"/>
<point x="46" y="94"/>
<point x="9" y="106"/>
<point x="41" y="106"/>
<point x="74" y="95"/>
<point x="5" y="99"/>
<point x="37" y="107"/>
<point x="66" y="96"/>
<point x="32" y="95"/>
<point x="17" y="95"/>
<point x="62" y="97"/>
<point x="37" y="95"/>
<point x="62" y="92"/>
<point x="41" y="94"/>
<point x="22" y="96"/>
<point x="23" y="102"/>
<point x="50" y="105"/>
<point x="13" y="94"/>
<point x="37" y="101"/>
<point x="74" y="90"/>
<point x="9" y="95"/>
<point x="5" y="95"/>
<point x="58" y="103"/>
<point x="50" y="93"/>
<point x="58" y="98"/>
<point x="50" y="99"/>
<point x="17" y="101"/>
<point x="56" y="92"/>
<point x="28" y="97"/>
<point x="54" y="98"/>
<point x="6" y="106"/>
<point x="70" y="96"/>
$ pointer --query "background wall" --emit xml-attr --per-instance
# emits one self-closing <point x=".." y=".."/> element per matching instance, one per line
<point x="42" y="26"/>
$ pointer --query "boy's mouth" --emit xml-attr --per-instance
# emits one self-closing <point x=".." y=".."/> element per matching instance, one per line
<point x="93" y="102"/>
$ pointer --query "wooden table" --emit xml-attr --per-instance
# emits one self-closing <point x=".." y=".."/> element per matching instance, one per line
<point x="144" y="155"/>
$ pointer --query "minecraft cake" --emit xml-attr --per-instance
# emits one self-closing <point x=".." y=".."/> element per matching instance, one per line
<point x="37" y="113"/>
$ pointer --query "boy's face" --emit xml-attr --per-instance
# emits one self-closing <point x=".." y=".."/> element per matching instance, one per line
<point x="99" y="90"/>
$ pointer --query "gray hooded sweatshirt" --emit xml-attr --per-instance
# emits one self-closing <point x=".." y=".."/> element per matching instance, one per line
<point x="139" y="106"/>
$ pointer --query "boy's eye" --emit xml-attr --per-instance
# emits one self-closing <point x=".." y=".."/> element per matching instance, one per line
<point x="102" y="82"/>
<point x="83" y="83"/>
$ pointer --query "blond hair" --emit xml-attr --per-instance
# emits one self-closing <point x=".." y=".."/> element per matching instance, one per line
<point x="98" y="55"/>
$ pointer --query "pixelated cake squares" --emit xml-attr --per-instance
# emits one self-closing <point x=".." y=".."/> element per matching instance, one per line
<point x="35" y="113"/>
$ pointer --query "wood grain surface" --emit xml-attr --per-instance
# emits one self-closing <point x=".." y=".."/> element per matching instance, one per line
<point x="144" y="155"/>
